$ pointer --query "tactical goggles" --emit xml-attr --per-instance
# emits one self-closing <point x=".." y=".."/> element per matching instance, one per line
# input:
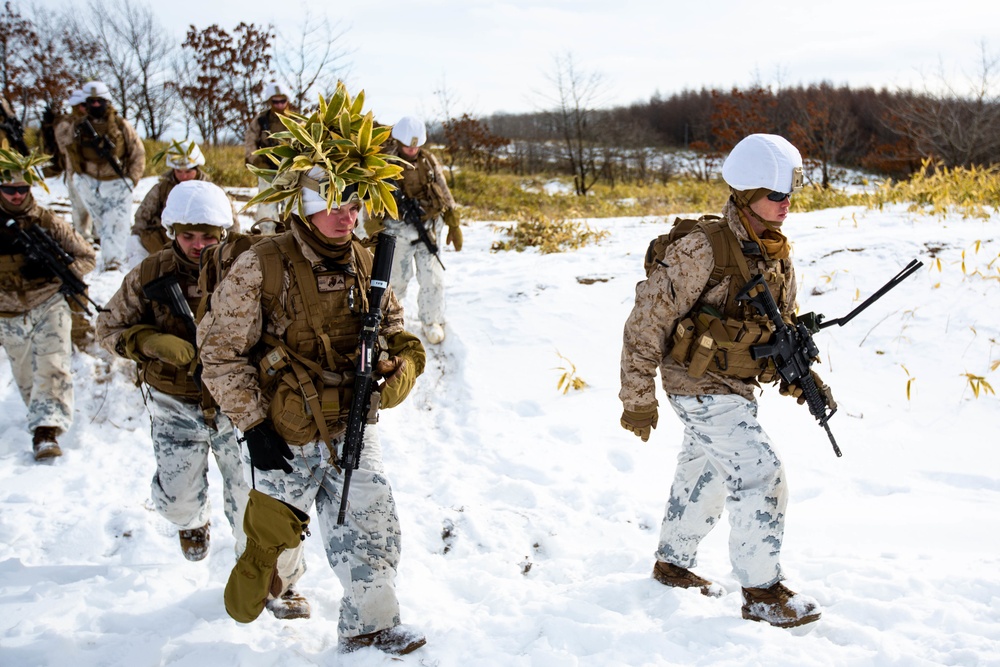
<point x="279" y="102"/>
<point x="15" y="189"/>
<point x="778" y="196"/>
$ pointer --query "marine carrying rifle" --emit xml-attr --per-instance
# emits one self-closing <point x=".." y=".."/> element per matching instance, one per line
<point x="792" y="348"/>
<point x="167" y="290"/>
<point x="411" y="212"/>
<point x="105" y="148"/>
<point x="363" y="382"/>
<point x="40" y="248"/>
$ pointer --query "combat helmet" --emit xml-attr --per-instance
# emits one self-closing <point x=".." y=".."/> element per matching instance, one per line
<point x="181" y="155"/>
<point x="198" y="204"/>
<point x="762" y="161"/>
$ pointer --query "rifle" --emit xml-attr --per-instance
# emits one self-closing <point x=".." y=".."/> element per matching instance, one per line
<point x="792" y="348"/>
<point x="40" y="248"/>
<point x="363" y="383"/>
<point x="105" y="148"/>
<point x="167" y="290"/>
<point x="12" y="126"/>
<point x="413" y="213"/>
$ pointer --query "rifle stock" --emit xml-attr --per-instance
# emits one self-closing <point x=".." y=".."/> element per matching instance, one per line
<point x="363" y="381"/>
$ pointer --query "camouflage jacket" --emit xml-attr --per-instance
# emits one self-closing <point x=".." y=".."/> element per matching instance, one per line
<point x="130" y="307"/>
<point x="128" y="149"/>
<point x="666" y="296"/>
<point x="19" y="295"/>
<point x="424" y="180"/>
<point x="63" y="130"/>
<point x="230" y="333"/>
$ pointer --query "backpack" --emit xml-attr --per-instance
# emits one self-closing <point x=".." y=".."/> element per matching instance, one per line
<point x="726" y="248"/>
<point x="217" y="259"/>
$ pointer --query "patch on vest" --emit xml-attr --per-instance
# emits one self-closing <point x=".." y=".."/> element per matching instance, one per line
<point x="332" y="283"/>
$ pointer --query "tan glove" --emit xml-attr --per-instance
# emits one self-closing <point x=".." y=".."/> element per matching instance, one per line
<point x="373" y="226"/>
<point x="454" y="237"/>
<point x="641" y="421"/>
<point x="795" y="391"/>
<point x="167" y="348"/>
<point x="400" y="376"/>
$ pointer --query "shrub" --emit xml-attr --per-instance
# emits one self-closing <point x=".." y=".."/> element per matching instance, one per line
<point x="538" y="231"/>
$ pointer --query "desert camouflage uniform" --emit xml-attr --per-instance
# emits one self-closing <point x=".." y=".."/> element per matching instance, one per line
<point x="64" y="137"/>
<point x="726" y="457"/>
<point x="106" y="196"/>
<point x="364" y="552"/>
<point x="185" y="426"/>
<point x="35" y="320"/>
<point x="424" y="181"/>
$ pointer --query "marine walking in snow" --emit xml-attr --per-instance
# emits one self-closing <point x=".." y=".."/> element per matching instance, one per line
<point x="688" y="324"/>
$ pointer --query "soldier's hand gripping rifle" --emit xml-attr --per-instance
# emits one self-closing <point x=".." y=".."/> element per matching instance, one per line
<point x="41" y="249"/>
<point x="792" y="348"/>
<point x="167" y="291"/>
<point x="364" y="383"/>
<point x="105" y="148"/>
<point x="412" y="213"/>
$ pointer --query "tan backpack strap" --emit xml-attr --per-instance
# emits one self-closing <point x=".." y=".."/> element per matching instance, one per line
<point x="311" y="397"/>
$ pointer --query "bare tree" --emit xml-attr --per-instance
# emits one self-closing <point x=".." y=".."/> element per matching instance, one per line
<point x="118" y="60"/>
<point x="17" y="40"/>
<point x="576" y="96"/>
<point x="958" y="128"/>
<point x="151" y="47"/>
<point x="310" y="59"/>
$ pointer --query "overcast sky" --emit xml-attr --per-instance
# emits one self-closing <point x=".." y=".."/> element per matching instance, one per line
<point x="495" y="55"/>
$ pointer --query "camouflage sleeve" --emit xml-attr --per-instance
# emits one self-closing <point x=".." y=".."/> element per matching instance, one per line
<point x="226" y="335"/>
<point x="660" y="301"/>
<point x="84" y="257"/>
<point x="125" y="310"/>
<point x="251" y="140"/>
<point x="135" y="151"/>
<point x="442" y="184"/>
<point x="147" y="216"/>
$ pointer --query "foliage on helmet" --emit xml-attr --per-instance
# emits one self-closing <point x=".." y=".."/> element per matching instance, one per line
<point x="185" y="151"/>
<point x="13" y="165"/>
<point x="341" y="141"/>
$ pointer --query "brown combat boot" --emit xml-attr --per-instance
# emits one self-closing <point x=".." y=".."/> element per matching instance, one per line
<point x="195" y="542"/>
<point x="44" y="444"/>
<point x="291" y="604"/>
<point x="669" y="574"/>
<point x="398" y="640"/>
<point x="779" y="606"/>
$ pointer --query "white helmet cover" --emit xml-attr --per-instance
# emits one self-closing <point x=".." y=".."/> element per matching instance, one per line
<point x="96" y="89"/>
<point x="410" y="131"/>
<point x="313" y="200"/>
<point x="763" y="161"/>
<point x="76" y="96"/>
<point x="274" y="89"/>
<point x="184" y="155"/>
<point x="197" y="203"/>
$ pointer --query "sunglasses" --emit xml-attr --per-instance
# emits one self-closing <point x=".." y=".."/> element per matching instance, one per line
<point x="279" y="102"/>
<point x="778" y="196"/>
<point x="15" y="189"/>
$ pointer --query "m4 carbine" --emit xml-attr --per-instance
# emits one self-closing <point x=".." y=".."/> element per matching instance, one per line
<point x="411" y="212"/>
<point x="364" y="383"/>
<point x="40" y="248"/>
<point x="791" y="346"/>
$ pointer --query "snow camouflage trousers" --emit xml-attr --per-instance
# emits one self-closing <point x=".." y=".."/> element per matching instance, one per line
<point x="181" y="443"/>
<point x="40" y="349"/>
<point x="726" y="460"/>
<point x="110" y="206"/>
<point x="81" y="217"/>
<point x="410" y="253"/>
<point x="364" y="552"/>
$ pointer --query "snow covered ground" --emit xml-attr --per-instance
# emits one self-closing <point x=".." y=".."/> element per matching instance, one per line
<point x="530" y="517"/>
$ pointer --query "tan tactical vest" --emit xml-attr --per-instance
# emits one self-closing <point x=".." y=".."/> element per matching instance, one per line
<point x="418" y="182"/>
<point x="173" y="380"/>
<point x="308" y="375"/>
<point x="710" y="340"/>
<point x="82" y="150"/>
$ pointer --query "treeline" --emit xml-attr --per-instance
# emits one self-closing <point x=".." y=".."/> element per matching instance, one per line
<point x="888" y="132"/>
<point x="209" y="82"/>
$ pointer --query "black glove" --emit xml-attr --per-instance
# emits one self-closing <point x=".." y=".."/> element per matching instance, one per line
<point x="267" y="450"/>
<point x="37" y="271"/>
